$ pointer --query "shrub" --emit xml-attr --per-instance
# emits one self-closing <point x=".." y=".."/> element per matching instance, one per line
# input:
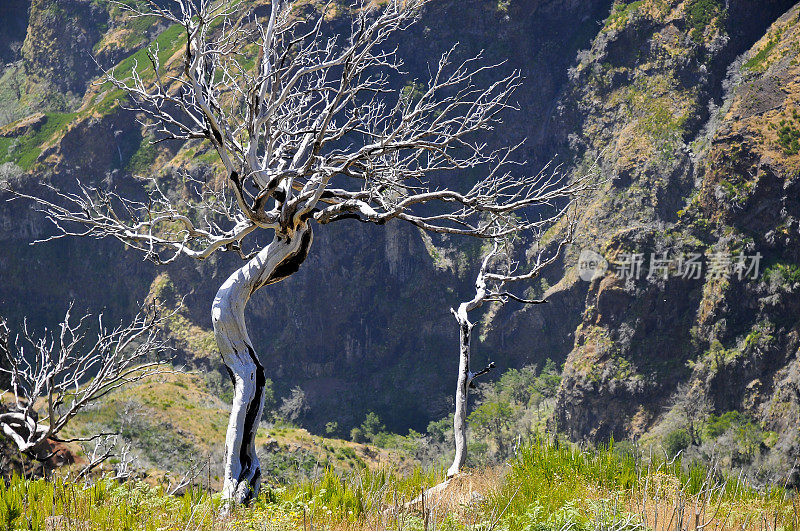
<point x="621" y="12"/>
<point x="440" y="430"/>
<point x="782" y="276"/>
<point x="372" y="426"/>
<point x="492" y="420"/>
<point x="356" y="435"/>
<point x="719" y="424"/>
<point x="676" y="441"/>
<point x="699" y="14"/>
<point x="746" y="436"/>
<point x="549" y="379"/>
<point x="789" y="139"/>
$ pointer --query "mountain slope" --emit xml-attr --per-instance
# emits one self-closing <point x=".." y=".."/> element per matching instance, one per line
<point x="691" y="174"/>
<point x="362" y="287"/>
<point x="689" y="108"/>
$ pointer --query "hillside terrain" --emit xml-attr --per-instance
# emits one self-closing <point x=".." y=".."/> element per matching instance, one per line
<point x="700" y="154"/>
<point x="690" y="109"/>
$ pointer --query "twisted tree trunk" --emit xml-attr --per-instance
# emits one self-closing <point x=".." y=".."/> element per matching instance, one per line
<point x="272" y="264"/>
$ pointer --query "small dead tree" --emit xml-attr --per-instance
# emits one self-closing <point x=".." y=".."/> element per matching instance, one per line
<point x="105" y="448"/>
<point x="498" y="268"/>
<point x="309" y="130"/>
<point x="691" y="405"/>
<point x="55" y="376"/>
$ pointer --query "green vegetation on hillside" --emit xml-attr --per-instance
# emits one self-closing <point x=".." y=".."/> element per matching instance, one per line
<point x="621" y="12"/>
<point x="756" y="63"/>
<point x="789" y="135"/>
<point x="24" y="150"/>
<point x="701" y="13"/>
<point x="550" y="485"/>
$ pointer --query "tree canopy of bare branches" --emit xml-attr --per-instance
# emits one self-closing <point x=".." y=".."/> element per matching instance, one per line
<point x="310" y="128"/>
<point x="55" y="375"/>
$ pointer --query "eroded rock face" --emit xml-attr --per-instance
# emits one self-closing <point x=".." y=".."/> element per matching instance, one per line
<point x="58" y="45"/>
<point x="629" y="348"/>
<point x="14" y="14"/>
<point x="733" y="338"/>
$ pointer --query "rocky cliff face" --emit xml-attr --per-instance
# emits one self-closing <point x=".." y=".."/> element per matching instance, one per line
<point x="697" y="148"/>
<point x="362" y="288"/>
<point x="58" y="46"/>
<point x="701" y="157"/>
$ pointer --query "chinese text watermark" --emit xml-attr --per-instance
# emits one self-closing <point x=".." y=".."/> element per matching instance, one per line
<point x="692" y="266"/>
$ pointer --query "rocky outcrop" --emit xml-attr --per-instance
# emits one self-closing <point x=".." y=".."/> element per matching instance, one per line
<point x="727" y="189"/>
<point x="59" y="41"/>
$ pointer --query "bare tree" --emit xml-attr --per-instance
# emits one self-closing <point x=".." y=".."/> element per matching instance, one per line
<point x="294" y="406"/>
<point x="498" y="268"/>
<point x="105" y="448"/>
<point x="309" y="129"/>
<point x="55" y="376"/>
<point x="691" y="405"/>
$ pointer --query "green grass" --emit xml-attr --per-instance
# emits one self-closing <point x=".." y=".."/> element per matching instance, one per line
<point x="758" y="61"/>
<point x="552" y="483"/>
<point x="138" y="26"/>
<point x="354" y="496"/>
<point x="168" y="42"/>
<point x="549" y="484"/>
<point x="550" y="475"/>
<point x="25" y="150"/>
<point x="104" y="504"/>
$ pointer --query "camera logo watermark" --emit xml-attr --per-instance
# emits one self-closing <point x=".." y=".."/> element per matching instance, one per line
<point x="591" y="265"/>
<point x="634" y="266"/>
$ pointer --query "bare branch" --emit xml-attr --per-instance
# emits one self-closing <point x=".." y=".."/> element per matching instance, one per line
<point x="104" y="449"/>
<point x="313" y="110"/>
<point x="184" y="480"/>
<point x="56" y="375"/>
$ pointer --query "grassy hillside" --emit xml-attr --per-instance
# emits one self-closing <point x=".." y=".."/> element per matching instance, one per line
<point x="175" y="421"/>
<point x="548" y="486"/>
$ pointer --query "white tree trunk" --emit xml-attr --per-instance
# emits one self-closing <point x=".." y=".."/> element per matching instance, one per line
<point x="275" y="262"/>
<point x="462" y="388"/>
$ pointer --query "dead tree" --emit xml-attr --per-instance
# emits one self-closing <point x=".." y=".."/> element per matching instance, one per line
<point x="104" y="449"/>
<point x="55" y="376"/>
<point x="309" y="130"/>
<point x="497" y="269"/>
